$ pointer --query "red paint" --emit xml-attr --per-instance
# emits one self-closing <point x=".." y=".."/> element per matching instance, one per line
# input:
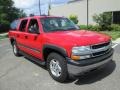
<point x="63" y="39"/>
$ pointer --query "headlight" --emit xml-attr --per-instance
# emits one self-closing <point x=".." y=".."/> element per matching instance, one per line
<point x="82" y="52"/>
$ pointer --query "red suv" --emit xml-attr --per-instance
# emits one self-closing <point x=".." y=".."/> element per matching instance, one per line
<point x="59" y="44"/>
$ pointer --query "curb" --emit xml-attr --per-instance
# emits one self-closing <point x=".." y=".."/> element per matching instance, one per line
<point x="117" y="41"/>
<point x="3" y="39"/>
<point x="4" y="34"/>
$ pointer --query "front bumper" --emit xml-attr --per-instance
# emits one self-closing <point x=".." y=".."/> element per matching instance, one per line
<point x="81" y="66"/>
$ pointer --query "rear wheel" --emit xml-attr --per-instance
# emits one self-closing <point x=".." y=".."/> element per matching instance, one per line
<point x="15" y="49"/>
<point x="57" y="67"/>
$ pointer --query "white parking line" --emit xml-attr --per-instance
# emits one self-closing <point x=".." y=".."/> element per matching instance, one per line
<point x="114" y="45"/>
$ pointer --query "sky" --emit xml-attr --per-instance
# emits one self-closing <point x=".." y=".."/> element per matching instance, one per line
<point x="32" y="6"/>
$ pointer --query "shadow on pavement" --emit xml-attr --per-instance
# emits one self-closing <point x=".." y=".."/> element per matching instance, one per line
<point x="43" y="67"/>
<point x="90" y="77"/>
<point x="96" y="75"/>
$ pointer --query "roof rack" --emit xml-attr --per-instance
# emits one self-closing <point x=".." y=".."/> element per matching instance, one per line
<point x="38" y="15"/>
<point x="44" y="15"/>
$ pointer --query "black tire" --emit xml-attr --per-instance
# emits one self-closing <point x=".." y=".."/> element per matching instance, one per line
<point x="62" y="64"/>
<point x="15" y="49"/>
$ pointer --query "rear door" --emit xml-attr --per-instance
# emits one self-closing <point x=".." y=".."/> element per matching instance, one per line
<point x="34" y="39"/>
<point x="21" y="35"/>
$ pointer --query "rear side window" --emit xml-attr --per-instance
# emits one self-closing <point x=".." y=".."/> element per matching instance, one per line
<point x="23" y="25"/>
<point x="14" y="24"/>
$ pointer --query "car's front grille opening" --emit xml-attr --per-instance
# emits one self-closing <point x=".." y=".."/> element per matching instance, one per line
<point x="100" y="45"/>
<point x="100" y="53"/>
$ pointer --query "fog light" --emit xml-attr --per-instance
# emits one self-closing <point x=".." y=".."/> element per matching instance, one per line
<point x="85" y="57"/>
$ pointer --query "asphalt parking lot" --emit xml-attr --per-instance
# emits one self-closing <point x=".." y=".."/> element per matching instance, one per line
<point x="19" y="73"/>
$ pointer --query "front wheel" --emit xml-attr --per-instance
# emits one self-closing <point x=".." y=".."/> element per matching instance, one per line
<point x="57" y="67"/>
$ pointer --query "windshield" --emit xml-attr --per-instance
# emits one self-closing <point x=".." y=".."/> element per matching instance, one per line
<point x="57" y="24"/>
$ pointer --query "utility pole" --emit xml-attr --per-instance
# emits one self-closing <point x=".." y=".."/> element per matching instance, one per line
<point x="39" y="7"/>
<point x="87" y="13"/>
<point x="49" y="7"/>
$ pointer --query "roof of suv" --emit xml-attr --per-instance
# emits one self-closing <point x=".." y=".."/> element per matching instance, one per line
<point x="42" y="16"/>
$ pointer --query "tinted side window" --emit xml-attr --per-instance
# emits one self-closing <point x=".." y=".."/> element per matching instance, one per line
<point x="33" y="26"/>
<point x="14" y="24"/>
<point x="23" y="25"/>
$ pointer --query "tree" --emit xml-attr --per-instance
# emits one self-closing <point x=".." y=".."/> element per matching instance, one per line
<point x="104" y="20"/>
<point x="8" y="13"/>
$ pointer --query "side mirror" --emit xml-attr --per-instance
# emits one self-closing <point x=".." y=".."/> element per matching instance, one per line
<point x="77" y="26"/>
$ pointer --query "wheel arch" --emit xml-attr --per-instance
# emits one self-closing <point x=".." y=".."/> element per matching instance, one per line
<point x="47" y="49"/>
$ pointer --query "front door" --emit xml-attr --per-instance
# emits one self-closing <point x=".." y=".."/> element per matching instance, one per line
<point x="34" y="39"/>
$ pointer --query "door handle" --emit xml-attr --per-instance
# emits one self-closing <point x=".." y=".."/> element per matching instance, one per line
<point x="26" y="37"/>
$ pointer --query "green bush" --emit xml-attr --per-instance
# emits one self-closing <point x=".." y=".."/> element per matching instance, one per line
<point x="83" y="27"/>
<point x="74" y="18"/>
<point x="90" y="27"/>
<point x="112" y="27"/>
<point x="104" y="20"/>
<point x="115" y="27"/>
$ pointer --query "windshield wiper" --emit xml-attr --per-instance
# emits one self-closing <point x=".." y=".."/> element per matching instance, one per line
<point x="54" y="30"/>
<point x="72" y="28"/>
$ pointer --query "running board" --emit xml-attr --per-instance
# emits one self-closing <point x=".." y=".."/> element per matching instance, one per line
<point x="36" y="60"/>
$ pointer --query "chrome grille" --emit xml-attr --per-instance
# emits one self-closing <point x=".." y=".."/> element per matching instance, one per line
<point x="101" y="53"/>
<point x="100" y="49"/>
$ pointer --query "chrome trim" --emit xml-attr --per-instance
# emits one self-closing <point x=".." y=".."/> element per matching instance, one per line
<point x="101" y="43"/>
<point x="30" y="48"/>
<point x="101" y="54"/>
<point x="104" y="48"/>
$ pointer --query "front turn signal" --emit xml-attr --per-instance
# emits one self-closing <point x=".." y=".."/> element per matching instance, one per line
<point x="73" y="57"/>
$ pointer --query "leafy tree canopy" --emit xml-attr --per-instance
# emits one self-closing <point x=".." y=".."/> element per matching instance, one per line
<point x="8" y="13"/>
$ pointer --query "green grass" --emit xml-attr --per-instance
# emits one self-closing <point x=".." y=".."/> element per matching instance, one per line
<point x="3" y="37"/>
<point x="113" y="34"/>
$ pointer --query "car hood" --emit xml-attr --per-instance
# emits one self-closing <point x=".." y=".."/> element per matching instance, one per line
<point x="76" y="37"/>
